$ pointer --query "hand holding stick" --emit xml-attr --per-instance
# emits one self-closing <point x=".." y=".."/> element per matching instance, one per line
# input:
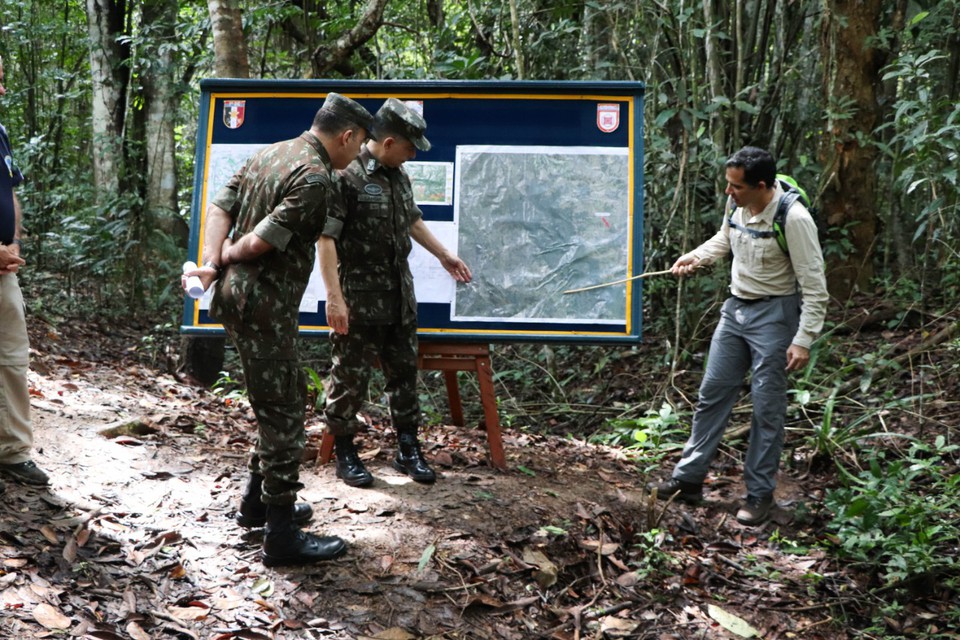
<point x="610" y="284"/>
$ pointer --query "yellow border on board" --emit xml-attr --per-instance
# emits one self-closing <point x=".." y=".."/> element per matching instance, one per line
<point x="434" y="96"/>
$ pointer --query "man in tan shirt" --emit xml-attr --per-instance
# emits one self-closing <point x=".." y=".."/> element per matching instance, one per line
<point x="766" y="327"/>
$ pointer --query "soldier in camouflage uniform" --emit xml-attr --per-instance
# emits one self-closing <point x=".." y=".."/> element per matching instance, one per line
<point x="372" y="240"/>
<point x="261" y="231"/>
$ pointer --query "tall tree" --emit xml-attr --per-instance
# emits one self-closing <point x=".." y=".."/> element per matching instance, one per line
<point x="851" y="64"/>
<point x="158" y="34"/>
<point x="110" y="71"/>
<point x="231" y="59"/>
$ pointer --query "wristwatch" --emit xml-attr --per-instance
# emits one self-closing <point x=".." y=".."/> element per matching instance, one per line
<point x="213" y="265"/>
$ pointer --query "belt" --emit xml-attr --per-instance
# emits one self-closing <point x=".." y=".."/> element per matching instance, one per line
<point x="755" y="300"/>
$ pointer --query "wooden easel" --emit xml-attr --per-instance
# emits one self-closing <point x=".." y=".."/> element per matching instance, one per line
<point x="450" y="358"/>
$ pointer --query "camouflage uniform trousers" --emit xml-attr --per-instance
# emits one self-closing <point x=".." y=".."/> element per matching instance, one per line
<point x="277" y="389"/>
<point x="354" y="356"/>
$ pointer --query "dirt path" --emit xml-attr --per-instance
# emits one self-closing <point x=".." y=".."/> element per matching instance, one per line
<point x="135" y="537"/>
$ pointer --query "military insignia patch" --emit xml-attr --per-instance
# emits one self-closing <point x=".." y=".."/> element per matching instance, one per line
<point x="608" y="117"/>
<point x="233" y="111"/>
<point x="373" y="189"/>
<point x="315" y="178"/>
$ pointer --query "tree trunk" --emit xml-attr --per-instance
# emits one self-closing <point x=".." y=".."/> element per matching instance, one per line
<point x="714" y="72"/>
<point x="160" y="104"/>
<point x="517" y="45"/>
<point x="230" y="57"/>
<point x="851" y="76"/>
<point x="111" y="77"/>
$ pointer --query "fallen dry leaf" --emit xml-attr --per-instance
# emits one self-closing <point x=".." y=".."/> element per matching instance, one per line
<point x="50" y="617"/>
<point x="227" y="599"/>
<point x="393" y="633"/>
<point x="618" y="627"/>
<point x="605" y="548"/>
<point x="546" y="572"/>
<point x="82" y="537"/>
<point x="50" y="534"/>
<point x="70" y="550"/>
<point x="732" y="623"/>
<point x="136" y="632"/>
<point x="187" y="614"/>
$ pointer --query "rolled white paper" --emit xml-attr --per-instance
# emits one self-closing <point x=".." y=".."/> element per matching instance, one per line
<point x="194" y="286"/>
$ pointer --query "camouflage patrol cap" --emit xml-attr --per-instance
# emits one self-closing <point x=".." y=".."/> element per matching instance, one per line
<point x="396" y="117"/>
<point x="348" y="110"/>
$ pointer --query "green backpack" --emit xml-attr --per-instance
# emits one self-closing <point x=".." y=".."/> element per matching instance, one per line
<point x="791" y="191"/>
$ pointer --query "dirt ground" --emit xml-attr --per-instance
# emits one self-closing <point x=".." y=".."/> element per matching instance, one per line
<point x="135" y="539"/>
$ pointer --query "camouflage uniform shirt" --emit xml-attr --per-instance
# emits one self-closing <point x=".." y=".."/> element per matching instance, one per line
<point x="284" y="195"/>
<point x="373" y="242"/>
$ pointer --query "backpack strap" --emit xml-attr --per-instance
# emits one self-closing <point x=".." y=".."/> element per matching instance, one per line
<point x="780" y="218"/>
<point x="779" y="221"/>
<point x="753" y="232"/>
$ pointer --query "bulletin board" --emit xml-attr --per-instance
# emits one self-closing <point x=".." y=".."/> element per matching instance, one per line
<point x="537" y="186"/>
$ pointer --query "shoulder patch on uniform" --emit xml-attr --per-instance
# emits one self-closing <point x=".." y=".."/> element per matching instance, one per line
<point x="373" y="189"/>
<point x="316" y="178"/>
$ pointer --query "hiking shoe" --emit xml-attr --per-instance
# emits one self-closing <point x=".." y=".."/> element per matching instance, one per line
<point x="754" y="510"/>
<point x="26" y="472"/>
<point x="689" y="492"/>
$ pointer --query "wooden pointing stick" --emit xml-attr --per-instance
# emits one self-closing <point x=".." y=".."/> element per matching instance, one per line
<point x="610" y="284"/>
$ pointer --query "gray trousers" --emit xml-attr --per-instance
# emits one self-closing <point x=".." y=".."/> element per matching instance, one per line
<point x="751" y="337"/>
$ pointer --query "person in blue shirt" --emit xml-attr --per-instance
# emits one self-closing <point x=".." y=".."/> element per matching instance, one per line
<point x="16" y="431"/>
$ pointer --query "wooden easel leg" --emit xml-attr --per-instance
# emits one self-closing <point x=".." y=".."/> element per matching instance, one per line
<point x="490" y="414"/>
<point x="326" y="447"/>
<point x="453" y="397"/>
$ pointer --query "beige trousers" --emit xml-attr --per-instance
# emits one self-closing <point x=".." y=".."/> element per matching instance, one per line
<point x="16" y="434"/>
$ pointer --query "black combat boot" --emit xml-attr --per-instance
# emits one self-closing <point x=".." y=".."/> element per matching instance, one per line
<point x="253" y="513"/>
<point x="410" y="459"/>
<point x="350" y="467"/>
<point x="285" y="544"/>
<point x="689" y="492"/>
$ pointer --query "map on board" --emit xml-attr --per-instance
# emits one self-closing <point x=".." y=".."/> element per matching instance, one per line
<point x="432" y="182"/>
<point x="536" y="221"/>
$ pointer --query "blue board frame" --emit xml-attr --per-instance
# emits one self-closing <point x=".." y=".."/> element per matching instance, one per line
<point x="459" y="113"/>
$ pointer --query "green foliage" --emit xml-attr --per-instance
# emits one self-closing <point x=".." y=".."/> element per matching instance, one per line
<point x="651" y="560"/>
<point x="900" y="517"/>
<point x="648" y="439"/>
<point x="431" y="388"/>
<point x="841" y="440"/>
<point x="103" y="249"/>
<point x="316" y="392"/>
<point x="231" y="390"/>
<point x="154" y="343"/>
<point x="920" y="144"/>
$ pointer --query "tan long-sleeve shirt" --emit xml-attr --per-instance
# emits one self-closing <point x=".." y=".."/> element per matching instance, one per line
<point x="760" y="268"/>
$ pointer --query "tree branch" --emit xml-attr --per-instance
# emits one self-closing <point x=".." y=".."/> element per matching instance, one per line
<point x="327" y="57"/>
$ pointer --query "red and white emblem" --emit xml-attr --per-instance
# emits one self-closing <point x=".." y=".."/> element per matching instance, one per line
<point x="233" y="113"/>
<point x="608" y="117"/>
